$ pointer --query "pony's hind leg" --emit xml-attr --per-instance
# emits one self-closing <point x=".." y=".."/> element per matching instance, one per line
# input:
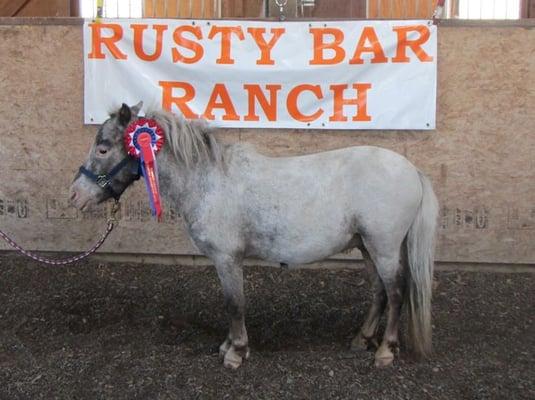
<point x="366" y="338"/>
<point x="391" y="272"/>
<point x="235" y="348"/>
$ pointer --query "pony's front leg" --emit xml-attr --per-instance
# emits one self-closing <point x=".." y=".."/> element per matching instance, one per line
<point x="235" y="348"/>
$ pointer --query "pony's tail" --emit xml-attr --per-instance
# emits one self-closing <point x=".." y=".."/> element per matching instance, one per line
<point x="420" y="254"/>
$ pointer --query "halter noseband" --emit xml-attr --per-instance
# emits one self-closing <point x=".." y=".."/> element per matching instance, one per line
<point x="104" y="180"/>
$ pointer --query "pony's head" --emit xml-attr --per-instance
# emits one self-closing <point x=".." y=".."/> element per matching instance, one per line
<point x="108" y="170"/>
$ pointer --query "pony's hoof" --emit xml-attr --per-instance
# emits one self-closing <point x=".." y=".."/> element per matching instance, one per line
<point x="361" y="343"/>
<point x="232" y="359"/>
<point x="384" y="356"/>
<point x="224" y="348"/>
<point x="384" y="362"/>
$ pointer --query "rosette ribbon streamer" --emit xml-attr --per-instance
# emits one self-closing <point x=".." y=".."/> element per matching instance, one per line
<point x="143" y="139"/>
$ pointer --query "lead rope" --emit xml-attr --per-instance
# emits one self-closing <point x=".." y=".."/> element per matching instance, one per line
<point x="110" y="225"/>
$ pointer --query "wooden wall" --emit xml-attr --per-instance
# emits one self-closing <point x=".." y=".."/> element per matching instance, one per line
<point x="249" y="8"/>
<point x="322" y="9"/>
<point x="480" y="158"/>
<point x="393" y="9"/>
<point x="204" y="8"/>
<point x="180" y="9"/>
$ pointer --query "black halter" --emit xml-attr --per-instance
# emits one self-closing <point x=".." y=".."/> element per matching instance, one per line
<point x="104" y="180"/>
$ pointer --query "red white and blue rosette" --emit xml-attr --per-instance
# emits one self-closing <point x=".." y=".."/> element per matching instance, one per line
<point x="139" y="126"/>
<point x="143" y="139"/>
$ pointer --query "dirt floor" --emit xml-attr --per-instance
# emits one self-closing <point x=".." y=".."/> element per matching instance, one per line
<point x="114" y="331"/>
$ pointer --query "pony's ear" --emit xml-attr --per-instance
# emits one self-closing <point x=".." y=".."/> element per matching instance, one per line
<point x="136" y="109"/>
<point x="125" y="114"/>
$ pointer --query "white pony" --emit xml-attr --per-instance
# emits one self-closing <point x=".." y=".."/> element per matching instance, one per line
<point x="237" y="203"/>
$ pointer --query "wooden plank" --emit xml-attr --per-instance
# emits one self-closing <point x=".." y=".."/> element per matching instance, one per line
<point x="209" y="9"/>
<point x="179" y="8"/>
<point x="185" y="8"/>
<point x="373" y="9"/>
<point x="239" y="11"/>
<point x="409" y="9"/>
<point x="172" y="8"/>
<point x="358" y="9"/>
<point x="75" y="8"/>
<point x="155" y="8"/>
<point x="227" y="8"/>
<point x="398" y="9"/>
<point x="148" y="9"/>
<point x="253" y="8"/>
<point x="384" y="8"/>
<point x="197" y="8"/>
<point x="160" y="8"/>
<point x="337" y="9"/>
<point x="232" y="8"/>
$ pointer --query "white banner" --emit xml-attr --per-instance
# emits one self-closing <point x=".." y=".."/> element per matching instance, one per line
<point x="320" y="75"/>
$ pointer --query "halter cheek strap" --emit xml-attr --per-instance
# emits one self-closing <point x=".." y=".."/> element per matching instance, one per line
<point x="104" y="180"/>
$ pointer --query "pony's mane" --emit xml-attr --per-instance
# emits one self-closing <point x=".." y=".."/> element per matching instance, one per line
<point x="190" y="141"/>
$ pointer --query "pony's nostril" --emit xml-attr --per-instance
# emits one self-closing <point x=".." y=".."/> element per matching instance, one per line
<point x="74" y="195"/>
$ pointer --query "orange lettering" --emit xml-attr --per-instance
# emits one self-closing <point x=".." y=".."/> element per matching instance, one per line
<point x="360" y="101"/>
<point x="291" y="102"/>
<point x="415" y="45"/>
<point x="220" y="92"/>
<point x="320" y="46"/>
<point x="168" y="99"/>
<point x="226" y="34"/>
<point x="369" y="35"/>
<point x="138" y="41"/>
<point x="269" y="107"/>
<point x="197" y="49"/>
<point x="265" y="48"/>
<point x="97" y="41"/>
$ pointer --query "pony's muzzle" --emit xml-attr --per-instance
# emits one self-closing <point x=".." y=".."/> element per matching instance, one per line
<point x="78" y="196"/>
